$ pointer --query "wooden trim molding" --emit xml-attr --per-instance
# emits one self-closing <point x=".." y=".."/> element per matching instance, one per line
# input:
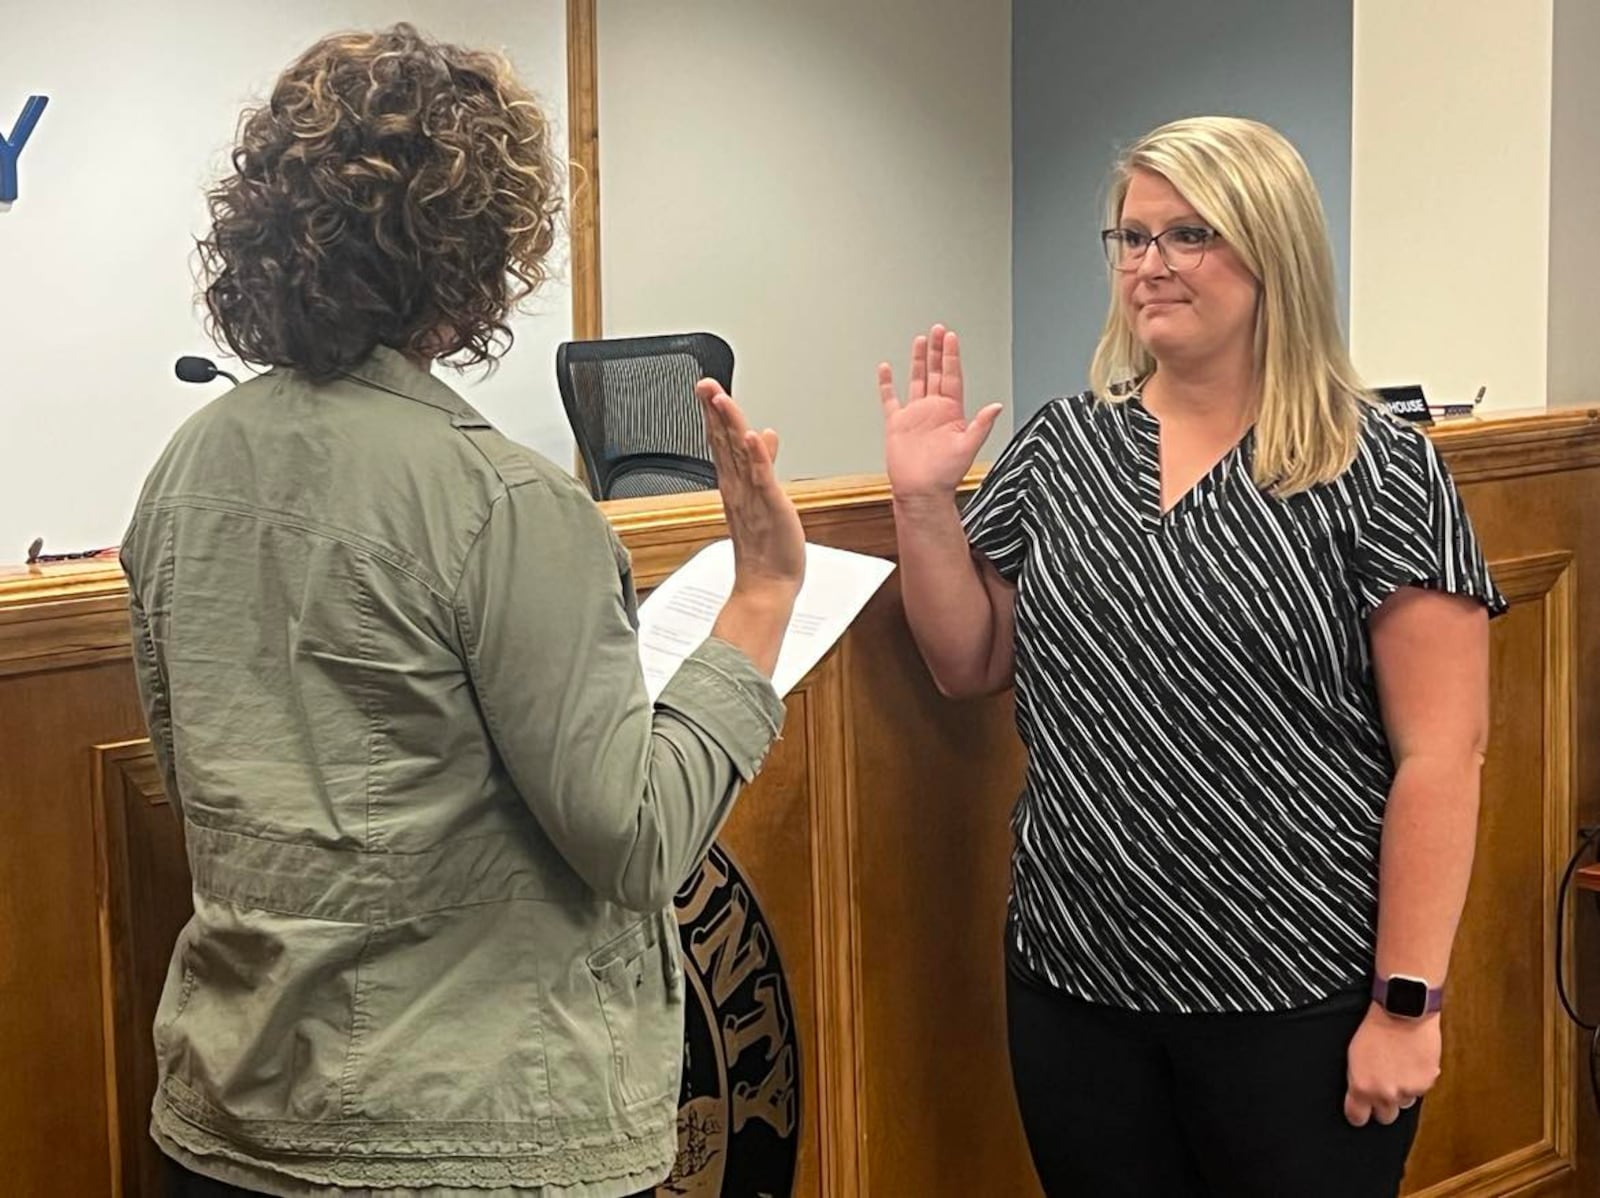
<point x="62" y="615"/>
<point x="833" y="921"/>
<point x="1517" y="445"/>
<point x="583" y="151"/>
<point x="124" y="773"/>
<point x="1546" y="579"/>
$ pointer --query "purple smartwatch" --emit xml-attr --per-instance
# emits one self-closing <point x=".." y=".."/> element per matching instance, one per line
<point x="1406" y="997"/>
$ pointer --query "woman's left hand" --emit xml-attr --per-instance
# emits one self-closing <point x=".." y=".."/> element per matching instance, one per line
<point x="1392" y="1062"/>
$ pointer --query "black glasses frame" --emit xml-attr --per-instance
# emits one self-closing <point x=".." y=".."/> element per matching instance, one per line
<point x="1112" y="242"/>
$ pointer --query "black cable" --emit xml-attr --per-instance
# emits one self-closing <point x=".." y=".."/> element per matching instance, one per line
<point x="1588" y="838"/>
<point x="1594" y="1066"/>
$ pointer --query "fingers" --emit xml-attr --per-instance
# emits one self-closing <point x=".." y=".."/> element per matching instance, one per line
<point x="936" y="336"/>
<point x="726" y="431"/>
<point x="707" y="392"/>
<point x="759" y="453"/>
<point x="744" y="457"/>
<point x="886" y="394"/>
<point x="981" y="426"/>
<point x="935" y="366"/>
<point x="919" y="370"/>
<point x="951" y="366"/>
<point x="1357" y="1112"/>
<point x="1361" y="1108"/>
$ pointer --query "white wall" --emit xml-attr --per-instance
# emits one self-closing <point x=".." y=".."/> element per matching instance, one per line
<point x="1575" y="206"/>
<point x="95" y="257"/>
<point x="1450" y="204"/>
<point x="814" y="181"/>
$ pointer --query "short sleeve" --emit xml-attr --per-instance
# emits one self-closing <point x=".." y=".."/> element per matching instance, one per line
<point x="1418" y="534"/>
<point x="995" y="520"/>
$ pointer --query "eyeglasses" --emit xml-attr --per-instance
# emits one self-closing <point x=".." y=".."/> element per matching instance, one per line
<point x="1182" y="247"/>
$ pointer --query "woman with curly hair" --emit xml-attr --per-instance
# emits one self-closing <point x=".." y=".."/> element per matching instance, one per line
<point x="389" y="665"/>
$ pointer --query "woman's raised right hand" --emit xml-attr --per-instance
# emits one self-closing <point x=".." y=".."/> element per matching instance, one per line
<point x="769" y="543"/>
<point x="929" y="444"/>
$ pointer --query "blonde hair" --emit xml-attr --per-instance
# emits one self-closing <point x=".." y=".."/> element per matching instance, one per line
<point x="1249" y="183"/>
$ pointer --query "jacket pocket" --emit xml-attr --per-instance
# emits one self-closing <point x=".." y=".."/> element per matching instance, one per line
<point x="175" y="992"/>
<point x="643" y="1017"/>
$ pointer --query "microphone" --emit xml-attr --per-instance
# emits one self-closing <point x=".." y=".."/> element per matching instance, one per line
<point x="199" y="370"/>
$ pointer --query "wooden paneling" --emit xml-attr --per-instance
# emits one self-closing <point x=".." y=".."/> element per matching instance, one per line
<point x="934" y="782"/>
<point x="61" y="616"/>
<point x="1520" y="446"/>
<point x="53" y="1116"/>
<point x="876" y="843"/>
<point x="142" y="890"/>
<point x="837" y="1036"/>
<point x="1530" y="498"/>
<point x="1501" y="1114"/>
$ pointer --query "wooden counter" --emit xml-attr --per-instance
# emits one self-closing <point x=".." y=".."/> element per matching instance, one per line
<point x="871" y="860"/>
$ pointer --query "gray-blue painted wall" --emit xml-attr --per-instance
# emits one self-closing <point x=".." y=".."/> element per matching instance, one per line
<point x="1089" y="76"/>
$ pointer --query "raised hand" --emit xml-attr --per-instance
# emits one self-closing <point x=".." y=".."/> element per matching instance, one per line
<point x="929" y="444"/>
<point x="769" y="544"/>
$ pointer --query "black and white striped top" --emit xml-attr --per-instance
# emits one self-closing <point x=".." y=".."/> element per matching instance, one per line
<point x="1207" y="765"/>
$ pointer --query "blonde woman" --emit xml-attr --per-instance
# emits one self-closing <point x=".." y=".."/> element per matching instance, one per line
<point x="1247" y="622"/>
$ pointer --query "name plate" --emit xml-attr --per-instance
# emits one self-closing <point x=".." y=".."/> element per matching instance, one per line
<point x="1409" y="403"/>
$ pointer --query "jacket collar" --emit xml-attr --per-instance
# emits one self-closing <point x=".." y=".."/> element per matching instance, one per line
<point x="390" y="370"/>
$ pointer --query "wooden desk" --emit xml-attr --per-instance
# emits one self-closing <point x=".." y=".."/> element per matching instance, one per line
<point x="1589" y="877"/>
<point x="875" y="847"/>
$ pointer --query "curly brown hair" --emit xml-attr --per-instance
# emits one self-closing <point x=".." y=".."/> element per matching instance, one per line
<point x="393" y="191"/>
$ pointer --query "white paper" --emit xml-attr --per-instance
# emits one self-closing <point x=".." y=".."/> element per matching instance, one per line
<point x="678" y="614"/>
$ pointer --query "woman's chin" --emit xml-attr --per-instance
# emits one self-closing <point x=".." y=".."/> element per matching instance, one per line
<point x="1165" y="343"/>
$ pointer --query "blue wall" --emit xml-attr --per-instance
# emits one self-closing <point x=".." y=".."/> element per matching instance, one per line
<point x="1090" y="76"/>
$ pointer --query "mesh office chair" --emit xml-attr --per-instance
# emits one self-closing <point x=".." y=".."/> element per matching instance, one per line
<point x="633" y="411"/>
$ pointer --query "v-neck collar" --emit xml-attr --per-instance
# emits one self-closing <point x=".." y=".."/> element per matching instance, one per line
<point x="1144" y="427"/>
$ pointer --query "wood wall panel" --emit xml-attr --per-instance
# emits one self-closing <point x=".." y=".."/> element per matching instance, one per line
<point x="1529" y="497"/>
<point x="1499" y="1117"/>
<point x="934" y="783"/>
<point x="53" y="1117"/>
<point x="142" y="894"/>
<point x="771" y="837"/>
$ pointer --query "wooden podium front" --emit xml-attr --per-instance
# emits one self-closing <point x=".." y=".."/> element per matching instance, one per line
<point x="843" y="943"/>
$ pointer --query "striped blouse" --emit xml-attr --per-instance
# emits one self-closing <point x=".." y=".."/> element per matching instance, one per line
<point x="1207" y="763"/>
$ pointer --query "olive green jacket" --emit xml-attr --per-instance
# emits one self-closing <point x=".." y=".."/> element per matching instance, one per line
<point x="389" y="664"/>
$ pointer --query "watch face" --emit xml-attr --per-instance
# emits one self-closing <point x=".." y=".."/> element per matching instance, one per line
<point x="1407" y="997"/>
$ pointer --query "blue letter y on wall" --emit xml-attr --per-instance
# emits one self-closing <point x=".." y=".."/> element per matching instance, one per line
<point x="11" y="147"/>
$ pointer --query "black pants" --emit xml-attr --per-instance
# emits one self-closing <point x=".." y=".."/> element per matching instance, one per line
<point x="1118" y="1104"/>
<point x="181" y="1183"/>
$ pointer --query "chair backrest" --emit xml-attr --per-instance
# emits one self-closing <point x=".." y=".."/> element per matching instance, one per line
<point x="632" y="407"/>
